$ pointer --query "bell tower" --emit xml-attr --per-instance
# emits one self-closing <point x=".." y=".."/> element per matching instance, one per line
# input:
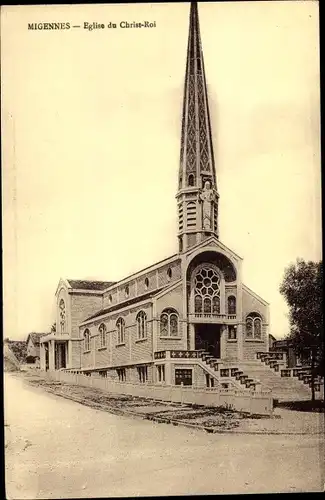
<point x="197" y="196"/>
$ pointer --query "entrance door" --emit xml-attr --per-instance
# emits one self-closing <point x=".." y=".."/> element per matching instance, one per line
<point x="207" y="337"/>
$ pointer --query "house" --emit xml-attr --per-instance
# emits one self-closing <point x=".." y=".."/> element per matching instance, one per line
<point x="33" y="347"/>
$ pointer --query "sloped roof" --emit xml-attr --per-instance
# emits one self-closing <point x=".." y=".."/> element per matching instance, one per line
<point x="126" y="303"/>
<point x="35" y="337"/>
<point x="90" y="285"/>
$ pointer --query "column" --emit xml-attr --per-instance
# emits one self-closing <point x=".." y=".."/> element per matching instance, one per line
<point x="223" y="340"/>
<point x="42" y="356"/>
<point x="240" y="342"/>
<point x="51" y="355"/>
<point x="69" y="354"/>
<point x="191" y="333"/>
<point x="168" y="372"/>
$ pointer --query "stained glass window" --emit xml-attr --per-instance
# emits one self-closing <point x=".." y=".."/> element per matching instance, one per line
<point x="232" y="305"/>
<point x="169" y="323"/>
<point x="87" y="340"/>
<point x="142" y="325"/>
<point x="254" y="326"/>
<point x="249" y="327"/>
<point x="102" y="335"/>
<point x="207" y="291"/>
<point x="120" y="324"/>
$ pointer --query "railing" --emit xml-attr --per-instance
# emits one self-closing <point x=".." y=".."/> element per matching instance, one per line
<point x="208" y="315"/>
<point x="252" y="402"/>
<point x="184" y="354"/>
<point x="270" y="356"/>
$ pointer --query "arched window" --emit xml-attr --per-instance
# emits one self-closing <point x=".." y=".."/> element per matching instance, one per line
<point x="207" y="291"/>
<point x="102" y="335"/>
<point x="127" y="291"/>
<point x="141" y="325"/>
<point x="169" y="273"/>
<point x="62" y="316"/>
<point x="169" y="323"/>
<point x="87" y="340"/>
<point x="120" y="324"/>
<point x="231" y="305"/>
<point x="254" y="326"/>
<point x="146" y="283"/>
<point x="191" y="180"/>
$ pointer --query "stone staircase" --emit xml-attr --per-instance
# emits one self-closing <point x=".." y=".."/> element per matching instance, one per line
<point x="287" y="384"/>
<point x="229" y="375"/>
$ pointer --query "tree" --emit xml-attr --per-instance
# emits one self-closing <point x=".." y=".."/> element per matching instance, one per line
<point x="302" y="290"/>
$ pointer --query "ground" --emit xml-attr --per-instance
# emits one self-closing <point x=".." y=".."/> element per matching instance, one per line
<point x="57" y="448"/>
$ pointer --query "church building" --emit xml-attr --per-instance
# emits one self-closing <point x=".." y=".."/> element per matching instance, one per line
<point x="161" y="324"/>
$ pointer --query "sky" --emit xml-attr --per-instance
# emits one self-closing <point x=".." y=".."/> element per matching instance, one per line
<point x="91" y="138"/>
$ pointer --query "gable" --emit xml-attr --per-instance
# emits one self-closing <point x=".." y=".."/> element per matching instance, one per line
<point x="212" y="243"/>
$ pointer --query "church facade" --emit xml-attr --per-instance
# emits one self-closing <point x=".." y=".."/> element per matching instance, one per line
<point x="155" y="325"/>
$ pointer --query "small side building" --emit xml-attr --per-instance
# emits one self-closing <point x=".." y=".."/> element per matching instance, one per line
<point x="33" y="348"/>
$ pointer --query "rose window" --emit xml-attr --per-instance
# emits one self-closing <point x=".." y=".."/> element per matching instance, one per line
<point x="207" y="291"/>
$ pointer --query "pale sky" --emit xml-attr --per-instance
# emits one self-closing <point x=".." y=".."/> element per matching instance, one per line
<point x="91" y="139"/>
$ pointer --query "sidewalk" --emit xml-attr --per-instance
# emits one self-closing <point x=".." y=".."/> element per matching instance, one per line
<point x="215" y="420"/>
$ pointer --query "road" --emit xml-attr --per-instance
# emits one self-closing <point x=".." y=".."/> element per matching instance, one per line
<point x="56" y="448"/>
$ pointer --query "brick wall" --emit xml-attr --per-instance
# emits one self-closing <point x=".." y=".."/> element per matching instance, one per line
<point x="152" y="285"/>
<point x="163" y="278"/>
<point x="252" y="346"/>
<point x="110" y="295"/>
<point x="75" y="348"/>
<point x="141" y="287"/>
<point x="231" y="350"/>
<point x="83" y="306"/>
<point x="133" y="351"/>
<point x="252" y="304"/>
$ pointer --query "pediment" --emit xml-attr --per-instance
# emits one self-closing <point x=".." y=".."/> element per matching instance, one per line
<point x="212" y="243"/>
<point x="63" y="283"/>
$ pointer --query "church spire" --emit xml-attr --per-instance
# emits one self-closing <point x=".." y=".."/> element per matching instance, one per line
<point x="197" y="195"/>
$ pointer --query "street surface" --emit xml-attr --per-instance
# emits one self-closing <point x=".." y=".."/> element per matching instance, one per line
<point x="56" y="448"/>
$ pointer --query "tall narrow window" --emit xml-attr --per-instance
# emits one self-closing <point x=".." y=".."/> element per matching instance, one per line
<point x="120" y="324"/>
<point x="87" y="340"/>
<point x="102" y="335"/>
<point x="62" y="316"/>
<point x="231" y="305"/>
<point x="141" y="325"/>
<point x="191" y="180"/>
<point x="143" y="374"/>
<point x="169" y="323"/>
<point x="254" y="326"/>
<point x="164" y="325"/>
<point x="257" y="328"/>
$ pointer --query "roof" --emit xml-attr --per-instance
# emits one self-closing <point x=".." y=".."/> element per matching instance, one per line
<point x="126" y="303"/>
<point x="35" y="337"/>
<point x="90" y="285"/>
